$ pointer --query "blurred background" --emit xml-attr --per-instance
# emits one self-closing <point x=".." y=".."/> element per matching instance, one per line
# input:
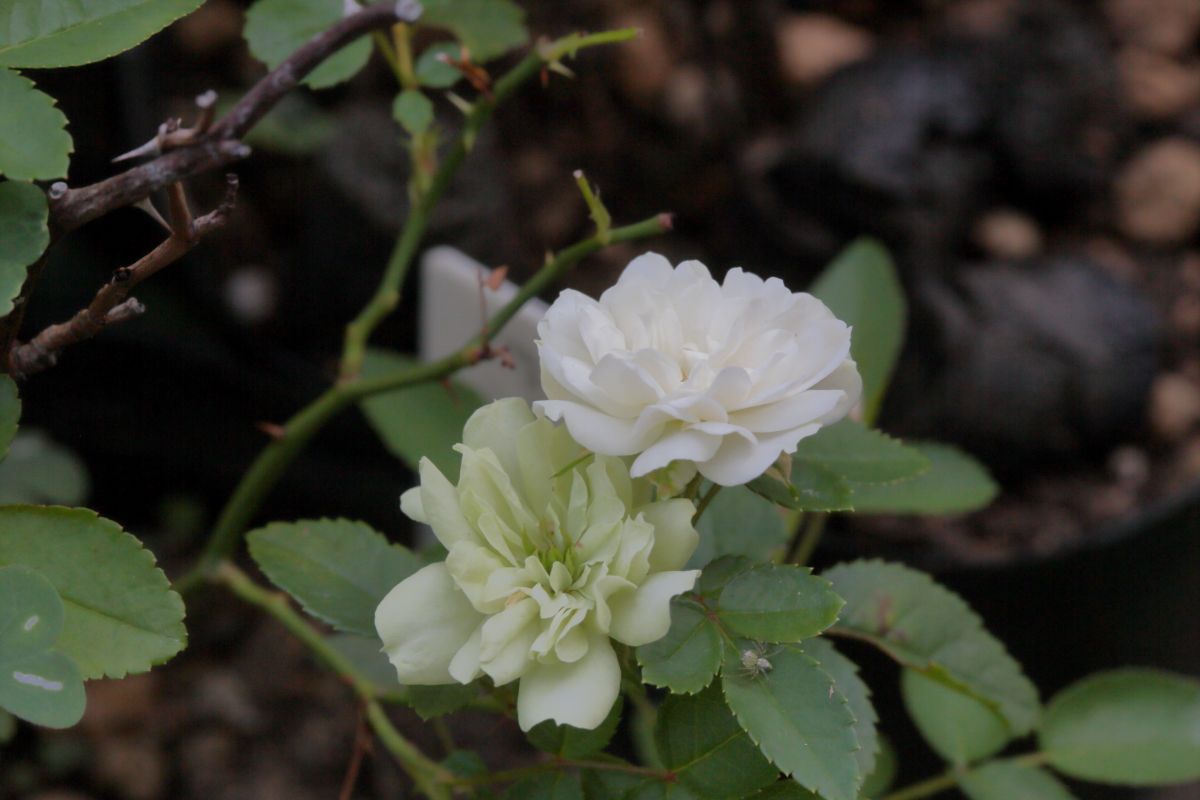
<point x="1034" y="167"/>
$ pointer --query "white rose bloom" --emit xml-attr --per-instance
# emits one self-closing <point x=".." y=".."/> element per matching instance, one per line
<point x="672" y="366"/>
<point x="542" y="571"/>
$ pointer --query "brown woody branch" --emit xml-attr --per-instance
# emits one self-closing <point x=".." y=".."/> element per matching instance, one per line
<point x="112" y="303"/>
<point x="206" y="147"/>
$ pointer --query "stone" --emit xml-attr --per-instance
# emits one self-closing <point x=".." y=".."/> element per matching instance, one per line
<point x="1174" y="406"/>
<point x="814" y="46"/>
<point x="1164" y="26"/>
<point x="1158" y="193"/>
<point x="1006" y="233"/>
<point x="1157" y="87"/>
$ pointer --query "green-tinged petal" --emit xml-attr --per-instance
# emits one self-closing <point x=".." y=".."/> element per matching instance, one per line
<point x="644" y="615"/>
<point x="675" y="538"/>
<point x="423" y="623"/>
<point x="440" y="506"/>
<point x="495" y="427"/>
<point x="507" y="640"/>
<point x="471" y="566"/>
<point x="632" y="559"/>
<point x="545" y="450"/>
<point x="482" y="476"/>
<point x="410" y="504"/>
<point x="464" y="667"/>
<point x="579" y="694"/>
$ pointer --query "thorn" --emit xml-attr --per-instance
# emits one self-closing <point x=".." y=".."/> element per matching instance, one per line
<point x="271" y="429"/>
<point x="561" y="69"/>
<point x="125" y="311"/>
<point x="207" y="103"/>
<point x="408" y="10"/>
<point x="150" y="148"/>
<point x="667" y="221"/>
<point x="57" y="190"/>
<point x="145" y="205"/>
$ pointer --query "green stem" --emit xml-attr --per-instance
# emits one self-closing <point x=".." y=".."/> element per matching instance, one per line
<point x="427" y="774"/>
<point x="512" y="775"/>
<point x="951" y="778"/>
<point x="702" y="506"/>
<point x="645" y="718"/>
<point x="268" y="468"/>
<point x="807" y="537"/>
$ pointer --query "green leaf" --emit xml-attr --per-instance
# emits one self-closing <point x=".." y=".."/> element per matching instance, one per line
<point x="338" y="569"/>
<point x="884" y="774"/>
<point x="38" y="471"/>
<point x="798" y="718"/>
<point x="424" y="420"/>
<point x="845" y="677"/>
<point x="276" y="28"/>
<point x="954" y="484"/>
<point x="738" y="522"/>
<point x="686" y="659"/>
<point x="435" y="701"/>
<point x="8" y="727"/>
<point x="433" y="72"/>
<point x="10" y="412"/>
<point x="413" y="111"/>
<point x="570" y="742"/>
<point x="488" y="28"/>
<point x="556" y="785"/>
<point x="786" y="790"/>
<point x="297" y="127"/>
<point x="1006" y="780"/>
<point x="809" y="487"/>
<point x="604" y="784"/>
<point x="699" y="739"/>
<point x="1134" y="727"/>
<point x="121" y="615"/>
<point x="928" y="628"/>
<point x="52" y="33"/>
<point x="717" y="575"/>
<point x="958" y="727"/>
<point x="367" y="655"/>
<point x="37" y="685"/>
<point x="861" y="455"/>
<point x="465" y="764"/>
<point x="23" y="231"/>
<point x="778" y="603"/>
<point x="862" y="289"/>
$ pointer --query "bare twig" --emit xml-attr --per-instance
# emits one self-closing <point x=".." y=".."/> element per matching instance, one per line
<point x="112" y="303"/>
<point x="212" y="146"/>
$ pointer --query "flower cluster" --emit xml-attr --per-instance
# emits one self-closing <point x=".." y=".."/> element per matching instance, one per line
<point x="556" y="544"/>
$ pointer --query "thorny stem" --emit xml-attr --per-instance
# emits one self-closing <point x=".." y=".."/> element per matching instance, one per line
<point x="429" y="777"/>
<point x="387" y="295"/>
<point x="702" y="506"/>
<point x="267" y="469"/>
<point x="807" y="537"/>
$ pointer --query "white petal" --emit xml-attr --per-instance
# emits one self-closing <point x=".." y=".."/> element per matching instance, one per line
<point x="440" y="505"/>
<point x="674" y="537"/>
<point x="410" y="505"/>
<point x="790" y="412"/>
<point x="464" y="667"/>
<point x="740" y="460"/>
<point x="507" y="639"/>
<point x="423" y="622"/>
<point x="644" y="615"/>
<point x="649" y="268"/>
<point x="594" y="430"/>
<point x="685" y="445"/>
<point x="495" y="427"/>
<point x="579" y="694"/>
<point x="847" y="379"/>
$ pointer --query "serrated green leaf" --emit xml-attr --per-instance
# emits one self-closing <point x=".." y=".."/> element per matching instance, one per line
<point x="38" y="471"/>
<point x="778" y="603"/>
<point x="425" y="420"/>
<point x="413" y="111"/>
<point x="810" y="487"/>
<point x="884" y="774"/>
<point x="367" y="655"/>
<point x="339" y="570"/>
<point x="797" y="718"/>
<point x="845" y="677"/>
<point x="603" y="784"/>
<point x="121" y="615"/>
<point x="488" y="28"/>
<point x="51" y="33"/>
<point x="433" y="72"/>
<point x="10" y="412"/>
<point x="556" y="785"/>
<point x="959" y="728"/>
<point x="1006" y="780"/>
<point x="686" y="659"/>
<point x="786" y="790"/>
<point x="861" y="455"/>
<point x="24" y="234"/>
<point x="699" y="739"/>
<point x="862" y="289"/>
<point x="738" y="522"/>
<point x="465" y="764"/>
<point x="570" y="742"/>
<point x="436" y="701"/>
<point x="37" y="685"/>
<point x="1132" y="727"/>
<point x="277" y="28"/>
<point x="954" y="484"/>
<point x="928" y="628"/>
<point x="717" y="575"/>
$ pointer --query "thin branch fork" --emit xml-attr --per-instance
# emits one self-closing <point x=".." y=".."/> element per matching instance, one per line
<point x="113" y="304"/>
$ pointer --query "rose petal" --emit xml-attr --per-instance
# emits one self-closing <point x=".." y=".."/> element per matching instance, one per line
<point x="644" y="615"/>
<point x="579" y="694"/>
<point x="423" y="622"/>
<point x="675" y="538"/>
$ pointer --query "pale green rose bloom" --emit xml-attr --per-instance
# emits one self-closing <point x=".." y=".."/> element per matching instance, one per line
<point x="542" y="572"/>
